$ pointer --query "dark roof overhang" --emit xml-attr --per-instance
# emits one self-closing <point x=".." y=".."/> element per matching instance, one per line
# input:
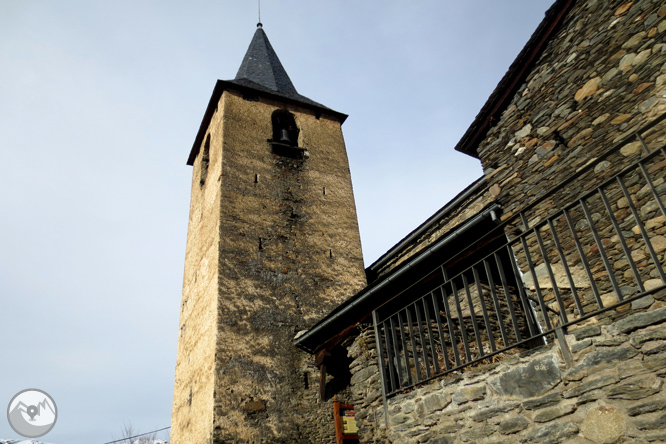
<point x="501" y="97"/>
<point x="338" y="324"/>
<point x="250" y="88"/>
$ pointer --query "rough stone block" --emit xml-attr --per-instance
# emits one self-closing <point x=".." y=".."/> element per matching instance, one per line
<point x="600" y="357"/>
<point x="442" y="440"/>
<point x="641" y="320"/>
<point x="603" y="425"/>
<point x="490" y="412"/>
<point x="578" y="346"/>
<point x="640" y="337"/>
<point x="530" y="380"/>
<point x="552" y="433"/>
<point x="586" y="332"/>
<point x="399" y="419"/>
<point x="653" y="423"/>
<point x="432" y="403"/>
<point x="545" y="401"/>
<point x="513" y="425"/>
<point x="551" y="413"/>
<point x="647" y="407"/>
<point x="477" y="433"/>
<point x="469" y="393"/>
<point x="589" y="385"/>
<point x="638" y="387"/>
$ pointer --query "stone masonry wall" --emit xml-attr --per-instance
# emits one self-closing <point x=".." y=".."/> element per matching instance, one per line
<point x="289" y="253"/>
<point x="613" y="393"/>
<point x="273" y="245"/>
<point x="601" y="78"/>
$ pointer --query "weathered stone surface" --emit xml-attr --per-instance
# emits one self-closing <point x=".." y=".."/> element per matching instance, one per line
<point x="513" y="425"/>
<point x="634" y="40"/>
<point x="640" y="337"/>
<point x="530" y="380"/>
<point x="545" y="401"/>
<point x="655" y="422"/>
<point x="524" y="131"/>
<point x="638" y="387"/>
<point x="469" y="393"/>
<point x="578" y="346"/>
<point x="631" y="149"/>
<point x="647" y="407"/>
<point x="641" y="320"/>
<point x="551" y="413"/>
<point x="591" y="384"/>
<point x="490" y="412"/>
<point x="603" y="425"/>
<point x="476" y="433"/>
<point x="442" y="440"/>
<point x="432" y="402"/>
<point x="586" y="332"/>
<point x="551" y="433"/>
<point x="588" y="89"/>
<point x="600" y="357"/>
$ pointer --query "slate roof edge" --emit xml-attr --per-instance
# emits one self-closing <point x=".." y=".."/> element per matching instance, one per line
<point x="222" y="85"/>
<point x="501" y="97"/>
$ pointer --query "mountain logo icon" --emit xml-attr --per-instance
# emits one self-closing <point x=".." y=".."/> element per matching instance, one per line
<point x="32" y="413"/>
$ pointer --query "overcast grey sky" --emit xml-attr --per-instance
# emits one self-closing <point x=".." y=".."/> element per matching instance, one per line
<point x="99" y="105"/>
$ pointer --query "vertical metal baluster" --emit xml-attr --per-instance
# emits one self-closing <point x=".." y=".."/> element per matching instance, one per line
<point x="535" y="279"/>
<point x="424" y="347"/>
<point x="440" y="329"/>
<point x="544" y="254"/>
<point x="391" y="367"/>
<point x="583" y="259"/>
<point x="449" y="323"/>
<point x="618" y="231"/>
<point x="410" y="328"/>
<point x="518" y="277"/>
<point x="563" y="260"/>
<point x="602" y="252"/>
<point x="648" y="180"/>
<point x="463" y="328"/>
<point x="640" y="139"/>
<point x="472" y="314"/>
<point x="396" y="351"/>
<point x="428" y="318"/>
<point x="498" y="307"/>
<point x="401" y="323"/>
<point x="484" y="311"/>
<point x="509" y="300"/>
<point x="641" y="228"/>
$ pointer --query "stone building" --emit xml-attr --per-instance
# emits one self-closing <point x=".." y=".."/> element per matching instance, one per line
<point x="272" y="246"/>
<point x="530" y="308"/>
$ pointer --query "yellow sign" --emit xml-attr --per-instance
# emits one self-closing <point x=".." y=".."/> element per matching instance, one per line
<point x="349" y="422"/>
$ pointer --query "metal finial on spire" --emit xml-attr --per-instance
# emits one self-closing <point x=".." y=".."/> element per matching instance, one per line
<point x="259" y="25"/>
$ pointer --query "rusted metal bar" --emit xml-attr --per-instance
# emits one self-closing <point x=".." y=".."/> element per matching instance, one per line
<point x="472" y="315"/>
<point x="565" y="265"/>
<point x="484" y="311"/>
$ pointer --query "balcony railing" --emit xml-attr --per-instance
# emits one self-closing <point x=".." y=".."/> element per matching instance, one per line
<point x="591" y="256"/>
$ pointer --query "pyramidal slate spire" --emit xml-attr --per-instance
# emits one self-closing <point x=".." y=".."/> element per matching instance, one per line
<point x="262" y="66"/>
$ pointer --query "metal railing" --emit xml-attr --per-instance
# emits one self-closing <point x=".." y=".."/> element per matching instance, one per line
<point x="591" y="256"/>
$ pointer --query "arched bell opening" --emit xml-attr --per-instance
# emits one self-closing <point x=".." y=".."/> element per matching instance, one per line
<point x="284" y="128"/>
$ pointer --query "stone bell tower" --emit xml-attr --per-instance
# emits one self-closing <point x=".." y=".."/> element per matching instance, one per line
<point x="272" y="246"/>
